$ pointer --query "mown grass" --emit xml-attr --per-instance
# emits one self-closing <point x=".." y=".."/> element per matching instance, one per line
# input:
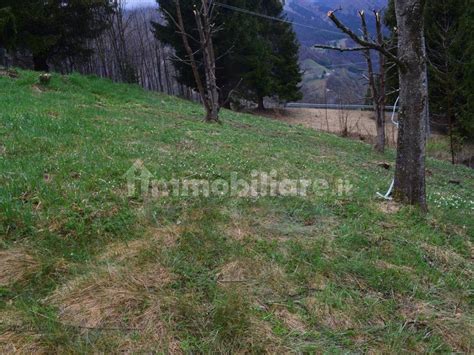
<point x="85" y="268"/>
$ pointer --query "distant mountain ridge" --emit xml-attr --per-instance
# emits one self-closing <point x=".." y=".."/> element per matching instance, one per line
<point x="313" y="13"/>
<point x="344" y="4"/>
<point x="330" y="76"/>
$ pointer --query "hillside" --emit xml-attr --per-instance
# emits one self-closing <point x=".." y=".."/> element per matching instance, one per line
<point x="313" y="15"/>
<point x="84" y="268"/>
<point x="343" y="80"/>
<point x="331" y="85"/>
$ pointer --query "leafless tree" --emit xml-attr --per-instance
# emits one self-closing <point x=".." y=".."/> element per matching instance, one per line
<point x="207" y="86"/>
<point x="410" y="183"/>
<point x="376" y="80"/>
<point x="379" y="97"/>
<point x="129" y="51"/>
<point x="118" y="41"/>
<point x="206" y="31"/>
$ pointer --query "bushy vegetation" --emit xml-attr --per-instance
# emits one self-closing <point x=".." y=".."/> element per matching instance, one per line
<point x="85" y="268"/>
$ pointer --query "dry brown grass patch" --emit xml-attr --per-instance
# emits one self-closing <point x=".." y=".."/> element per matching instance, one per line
<point x="318" y="282"/>
<point x="168" y="236"/>
<point x="238" y="271"/>
<point x="125" y="250"/>
<point x="263" y="224"/>
<point x="446" y="258"/>
<point x="10" y="73"/>
<point x="263" y="334"/>
<point x="124" y="299"/>
<point x="155" y="238"/>
<point x="106" y="299"/>
<point x="328" y="316"/>
<point x="261" y="277"/>
<point x="239" y="229"/>
<point x="454" y="327"/>
<point x="385" y="265"/>
<point x="153" y="333"/>
<point x="15" y="266"/>
<point x="291" y="320"/>
<point x="389" y="207"/>
<point x="14" y="339"/>
<point x="20" y="343"/>
<point x="360" y="124"/>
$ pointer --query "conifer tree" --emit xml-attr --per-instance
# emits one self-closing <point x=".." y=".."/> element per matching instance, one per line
<point x="450" y="49"/>
<point x="259" y="56"/>
<point x="57" y="29"/>
<point x="8" y="29"/>
<point x="466" y="28"/>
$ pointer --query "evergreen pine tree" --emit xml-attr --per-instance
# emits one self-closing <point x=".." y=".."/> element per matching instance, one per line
<point x="57" y="29"/>
<point x="259" y="56"/>
<point x="8" y="29"/>
<point x="273" y="61"/>
<point x="466" y="29"/>
<point x="445" y="49"/>
<point x="450" y="49"/>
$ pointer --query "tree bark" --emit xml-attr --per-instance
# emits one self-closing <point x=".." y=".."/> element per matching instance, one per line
<point x="261" y="104"/>
<point x="226" y="104"/>
<point x="380" y="145"/>
<point x="410" y="186"/>
<point x="375" y="89"/>
<point x="190" y="53"/>
<point x="207" y="46"/>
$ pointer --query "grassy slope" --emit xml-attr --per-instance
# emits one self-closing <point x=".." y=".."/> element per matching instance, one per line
<point x="84" y="268"/>
<point x="313" y="70"/>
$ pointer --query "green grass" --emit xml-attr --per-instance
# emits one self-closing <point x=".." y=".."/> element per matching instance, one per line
<point x="84" y="268"/>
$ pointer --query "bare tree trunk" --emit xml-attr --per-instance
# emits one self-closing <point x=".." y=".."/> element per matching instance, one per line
<point x="169" y="85"/>
<point x="410" y="185"/>
<point x="380" y="145"/>
<point x="159" y="56"/>
<point x="452" y="147"/>
<point x="375" y="90"/>
<point x="207" y="88"/>
<point x="205" y="35"/>
<point x="191" y="58"/>
<point x="129" y="51"/>
<point x="377" y="87"/>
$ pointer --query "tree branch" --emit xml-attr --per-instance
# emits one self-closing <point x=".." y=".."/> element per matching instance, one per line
<point x="361" y="42"/>
<point x="197" y="77"/>
<point x="354" y="49"/>
<point x="229" y="96"/>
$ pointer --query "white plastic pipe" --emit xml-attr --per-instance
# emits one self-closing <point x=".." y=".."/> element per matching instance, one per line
<point x="388" y="195"/>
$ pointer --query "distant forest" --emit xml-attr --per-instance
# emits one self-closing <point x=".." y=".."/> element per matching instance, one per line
<point x="106" y="39"/>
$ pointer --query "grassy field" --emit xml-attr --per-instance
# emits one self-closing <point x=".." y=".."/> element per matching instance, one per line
<point x="361" y="125"/>
<point x="85" y="268"/>
<point x="358" y="124"/>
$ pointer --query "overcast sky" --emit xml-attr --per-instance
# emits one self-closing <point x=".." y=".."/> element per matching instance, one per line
<point x="135" y="3"/>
